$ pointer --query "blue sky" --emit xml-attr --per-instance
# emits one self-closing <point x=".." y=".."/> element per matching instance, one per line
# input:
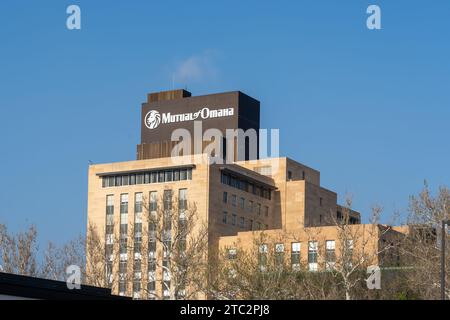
<point x="369" y="109"/>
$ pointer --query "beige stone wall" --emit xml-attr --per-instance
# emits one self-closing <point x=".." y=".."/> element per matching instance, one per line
<point x="367" y="241"/>
<point x="196" y="193"/>
<point x="295" y="202"/>
<point x="205" y="190"/>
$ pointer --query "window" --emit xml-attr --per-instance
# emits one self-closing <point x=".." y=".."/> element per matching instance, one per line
<point x="138" y="223"/>
<point x="320" y="201"/>
<point x="151" y="288"/>
<point x="167" y="200"/>
<point x="258" y="209"/>
<point x="109" y="274"/>
<point x="123" y="224"/>
<point x="262" y="257"/>
<point x="266" y="211"/>
<point x="137" y="288"/>
<point x="232" y="253"/>
<point x="224" y="217"/>
<point x="122" y="267"/>
<point x="138" y="203"/>
<point x="350" y="244"/>
<point x="312" y="255"/>
<point x="137" y="240"/>
<point x="242" y="203"/>
<point x="279" y="253"/>
<point x="189" y="174"/>
<point x="233" y="200"/>
<point x="122" y="287"/>
<point x="353" y="220"/>
<point x="153" y="201"/>
<point x="348" y="253"/>
<point x="168" y="175"/>
<point x="166" y="290"/>
<point x="242" y="222"/>
<point x="176" y="175"/>
<point x="151" y="285"/>
<point x="303" y="175"/>
<point x="289" y="175"/>
<point x="147" y="177"/>
<point x="151" y="266"/>
<point x="123" y="248"/>
<point x="123" y="203"/>
<point x="250" y="206"/>
<point x="244" y="185"/>
<point x="183" y="174"/>
<point x="137" y="233"/>
<point x="330" y="254"/>
<point x="110" y="204"/>
<point x="109" y="214"/>
<point x="182" y="202"/>
<point x="233" y="219"/>
<point x="295" y="256"/>
<point x="225" y="197"/>
<point x="152" y="224"/>
<point x="250" y="224"/>
<point x="151" y="247"/>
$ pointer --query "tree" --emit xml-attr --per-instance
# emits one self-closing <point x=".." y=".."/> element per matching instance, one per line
<point x="177" y="244"/>
<point x="333" y="269"/>
<point x="97" y="258"/>
<point x="57" y="259"/>
<point x="263" y="271"/>
<point x="18" y="251"/>
<point x="421" y="250"/>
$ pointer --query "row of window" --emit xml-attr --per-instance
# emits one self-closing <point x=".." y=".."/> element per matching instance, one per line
<point x="250" y="207"/>
<point x="138" y="205"/>
<point x="313" y="246"/>
<point x="351" y="220"/>
<point x="147" y="177"/>
<point x="248" y="224"/>
<point x="245" y="185"/>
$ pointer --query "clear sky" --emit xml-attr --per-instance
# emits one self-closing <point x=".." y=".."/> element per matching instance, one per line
<point x="369" y="109"/>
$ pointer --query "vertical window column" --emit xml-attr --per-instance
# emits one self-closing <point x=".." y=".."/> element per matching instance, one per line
<point x="167" y="243"/>
<point x="182" y="207"/>
<point x="153" y="206"/>
<point x="137" y="265"/>
<point x="109" y="238"/>
<point x="123" y="249"/>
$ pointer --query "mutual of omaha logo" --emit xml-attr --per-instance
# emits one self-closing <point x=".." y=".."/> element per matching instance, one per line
<point x="153" y="118"/>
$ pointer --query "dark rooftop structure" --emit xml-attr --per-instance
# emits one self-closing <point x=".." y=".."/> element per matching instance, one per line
<point x="17" y="287"/>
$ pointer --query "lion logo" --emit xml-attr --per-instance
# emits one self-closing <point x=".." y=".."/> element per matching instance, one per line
<point x="152" y="119"/>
